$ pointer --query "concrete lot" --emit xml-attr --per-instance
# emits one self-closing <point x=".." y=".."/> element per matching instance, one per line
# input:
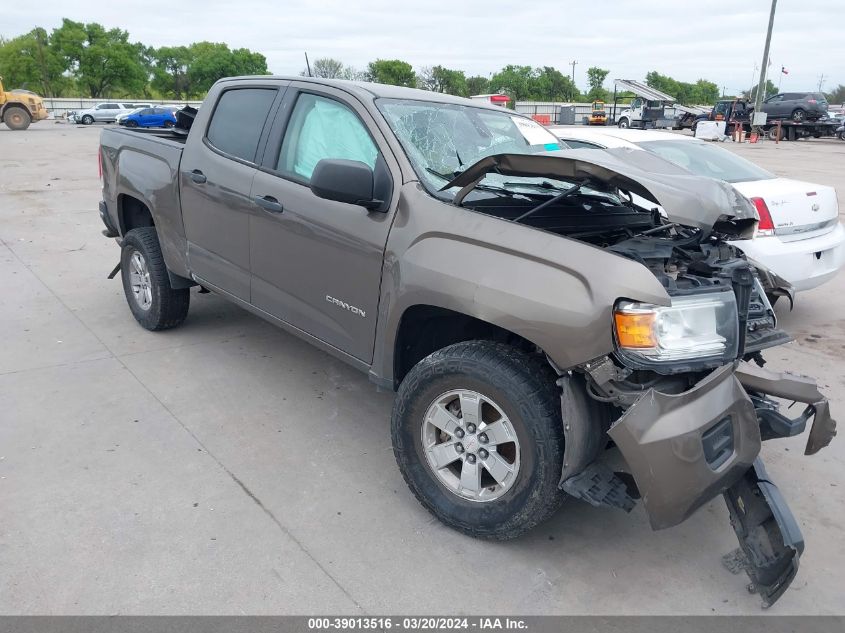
<point x="227" y="467"/>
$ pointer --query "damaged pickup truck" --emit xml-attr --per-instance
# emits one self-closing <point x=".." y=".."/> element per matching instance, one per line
<point x="546" y="336"/>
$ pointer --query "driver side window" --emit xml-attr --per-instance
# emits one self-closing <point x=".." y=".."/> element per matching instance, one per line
<point x="323" y="128"/>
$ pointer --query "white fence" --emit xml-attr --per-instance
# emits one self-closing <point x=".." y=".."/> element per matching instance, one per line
<point x="552" y="108"/>
<point x="60" y="106"/>
<point x="582" y="110"/>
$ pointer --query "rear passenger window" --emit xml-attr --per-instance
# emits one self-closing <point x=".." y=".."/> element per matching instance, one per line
<point x="323" y="128"/>
<point x="238" y="120"/>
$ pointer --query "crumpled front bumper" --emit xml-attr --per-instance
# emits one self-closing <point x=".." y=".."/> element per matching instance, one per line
<point x="685" y="449"/>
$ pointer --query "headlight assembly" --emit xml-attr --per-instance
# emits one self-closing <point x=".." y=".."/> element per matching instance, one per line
<point x="696" y="330"/>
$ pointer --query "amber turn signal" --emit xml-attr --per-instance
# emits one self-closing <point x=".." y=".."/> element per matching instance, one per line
<point x="635" y="329"/>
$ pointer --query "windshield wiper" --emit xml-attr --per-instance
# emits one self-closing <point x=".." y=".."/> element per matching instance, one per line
<point x="549" y="202"/>
<point x="545" y="185"/>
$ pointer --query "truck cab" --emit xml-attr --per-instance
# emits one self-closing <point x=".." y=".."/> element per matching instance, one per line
<point x="645" y="113"/>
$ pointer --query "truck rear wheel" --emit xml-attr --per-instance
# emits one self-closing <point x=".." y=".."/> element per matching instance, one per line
<point x="477" y="435"/>
<point x="16" y="118"/>
<point x="152" y="300"/>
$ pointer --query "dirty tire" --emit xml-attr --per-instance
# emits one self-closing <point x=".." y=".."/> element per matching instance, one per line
<point x="16" y="118"/>
<point x="524" y="387"/>
<point x="168" y="307"/>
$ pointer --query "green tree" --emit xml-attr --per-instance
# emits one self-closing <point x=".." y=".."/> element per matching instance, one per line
<point x="103" y="61"/>
<point x="771" y="89"/>
<point x="705" y="92"/>
<point x="702" y="92"/>
<point x="212" y="61"/>
<point x="170" y="71"/>
<point x="596" y="77"/>
<point x="837" y="95"/>
<point x="28" y="61"/>
<point x="515" y="81"/>
<point x="549" y="84"/>
<point x="392" y="71"/>
<point x="440" y="79"/>
<point x="477" y="85"/>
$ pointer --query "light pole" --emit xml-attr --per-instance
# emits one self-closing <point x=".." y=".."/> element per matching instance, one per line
<point x="761" y="85"/>
<point x="753" y="74"/>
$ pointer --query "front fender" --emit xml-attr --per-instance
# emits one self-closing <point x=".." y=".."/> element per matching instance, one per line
<point x="555" y="292"/>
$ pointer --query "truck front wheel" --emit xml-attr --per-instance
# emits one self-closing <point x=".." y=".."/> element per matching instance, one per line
<point x="623" y="123"/>
<point x="153" y="302"/>
<point x="16" y="118"/>
<point x="477" y="434"/>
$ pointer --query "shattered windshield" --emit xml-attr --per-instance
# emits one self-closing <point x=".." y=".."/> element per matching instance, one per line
<point x="441" y="140"/>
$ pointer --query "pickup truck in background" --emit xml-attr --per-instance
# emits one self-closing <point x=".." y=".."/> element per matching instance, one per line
<point x="546" y="336"/>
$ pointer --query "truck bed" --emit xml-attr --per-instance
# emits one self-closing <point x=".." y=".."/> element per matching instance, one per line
<point x="171" y="134"/>
<point x="141" y="167"/>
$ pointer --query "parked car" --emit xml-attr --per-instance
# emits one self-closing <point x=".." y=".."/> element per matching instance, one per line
<point x="158" y="116"/>
<point x="799" y="238"/>
<point x="797" y="106"/>
<point x="524" y="310"/>
<point x="103" y="112"/>
<point x="138" y="107"/>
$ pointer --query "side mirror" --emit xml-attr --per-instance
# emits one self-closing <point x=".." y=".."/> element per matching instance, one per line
<point x="349" y="181"/>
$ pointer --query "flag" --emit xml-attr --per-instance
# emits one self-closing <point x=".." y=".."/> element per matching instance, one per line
<point x="784" y="70"/>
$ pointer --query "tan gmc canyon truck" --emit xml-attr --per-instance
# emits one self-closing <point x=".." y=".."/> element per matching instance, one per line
<point x="546" y="336"/>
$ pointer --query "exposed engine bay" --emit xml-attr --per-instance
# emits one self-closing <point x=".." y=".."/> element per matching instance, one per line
<point x="686" y="260"/>
<point x="684" y="395"/>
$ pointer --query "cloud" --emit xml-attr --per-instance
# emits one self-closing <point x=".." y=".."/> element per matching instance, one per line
<point x="629" y="38"/>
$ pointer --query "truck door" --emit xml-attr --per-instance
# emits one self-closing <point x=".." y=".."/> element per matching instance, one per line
<point x="216" y="172"/>
<point x="316" y="263"/>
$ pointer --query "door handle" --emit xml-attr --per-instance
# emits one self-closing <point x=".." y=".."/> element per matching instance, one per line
<point x="198" y="177"/>
<point x="269" y="203"/>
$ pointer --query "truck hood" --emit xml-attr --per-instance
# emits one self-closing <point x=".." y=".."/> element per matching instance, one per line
<point x="704" y="203"/>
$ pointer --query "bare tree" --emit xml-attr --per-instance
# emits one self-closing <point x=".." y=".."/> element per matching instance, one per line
<point x="325" y="68"/>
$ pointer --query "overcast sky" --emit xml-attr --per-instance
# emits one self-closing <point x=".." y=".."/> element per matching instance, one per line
<point x="628" y="38"/>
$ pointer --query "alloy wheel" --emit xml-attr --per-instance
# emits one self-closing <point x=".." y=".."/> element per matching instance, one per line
<point x="139" y="279"/>
<point x="470" y="445"/>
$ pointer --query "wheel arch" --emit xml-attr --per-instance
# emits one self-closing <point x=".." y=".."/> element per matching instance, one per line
<point x="132" y="213"/>
<point x="426" y="328"/>
<point x="14" y="104"/>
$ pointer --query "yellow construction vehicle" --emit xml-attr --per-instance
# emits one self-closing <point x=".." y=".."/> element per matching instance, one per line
<point x="598" y="116"/>
<point x="19" y="108"/>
